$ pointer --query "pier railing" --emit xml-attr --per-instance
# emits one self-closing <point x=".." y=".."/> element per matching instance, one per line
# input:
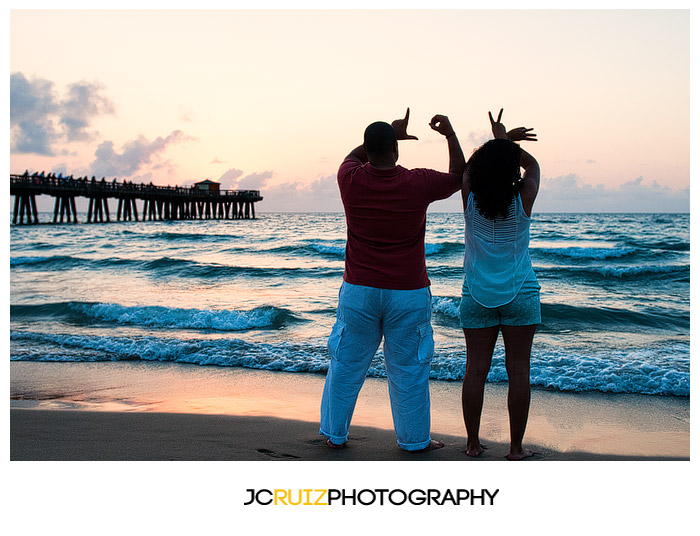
<point x="159" y="202"/>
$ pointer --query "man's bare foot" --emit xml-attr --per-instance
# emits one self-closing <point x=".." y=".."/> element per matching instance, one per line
<point x="433" y="445"/>
<point x="521" y="455"/>
<point x="335" y="446"/>
<point x="475" y="451"/>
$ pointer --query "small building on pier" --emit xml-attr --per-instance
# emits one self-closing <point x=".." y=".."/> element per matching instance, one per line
<point x="208" y="186"/>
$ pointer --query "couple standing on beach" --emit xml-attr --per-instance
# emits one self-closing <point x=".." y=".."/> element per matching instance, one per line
<point x="386" y="290"/>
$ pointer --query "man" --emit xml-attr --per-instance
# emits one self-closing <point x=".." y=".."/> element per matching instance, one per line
<point x="386" y="290"/>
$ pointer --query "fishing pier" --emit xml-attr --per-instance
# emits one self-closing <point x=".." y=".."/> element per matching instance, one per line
<point x="203" y="200"/>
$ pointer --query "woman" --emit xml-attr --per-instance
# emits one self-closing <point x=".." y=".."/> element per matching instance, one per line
<point x="500" y="291"/>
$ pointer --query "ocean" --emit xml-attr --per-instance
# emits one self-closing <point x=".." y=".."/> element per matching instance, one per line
<point x="262" y="294"/>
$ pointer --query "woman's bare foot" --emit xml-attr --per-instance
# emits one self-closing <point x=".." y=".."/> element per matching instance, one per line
<point x="520" y="455"/>
<point x="335" y="446"/>
<point x="475" y="450"/>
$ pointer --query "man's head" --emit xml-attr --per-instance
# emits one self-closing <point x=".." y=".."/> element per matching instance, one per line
<point x="380" y="144"/>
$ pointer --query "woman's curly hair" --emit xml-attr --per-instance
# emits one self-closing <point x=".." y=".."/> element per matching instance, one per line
<point x="494" y="177"/>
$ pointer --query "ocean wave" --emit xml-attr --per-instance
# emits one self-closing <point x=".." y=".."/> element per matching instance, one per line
<point x="186" y="237"/>
<point x="635" y="371"/>
<point x="671" y="244"/>
<point x="169" y="266"/>
<point x="54" y="261"/>
<point x="623" y="272"/>
<point x="544" y="234"/>
<point x="36" y="245"/>
<point x="584" y="253"/>
<point x="446" y="271"/>
<point x="447" y="306"/>
<point x="192" y="269"/>
<point x="660" y="370"/>
<point x="329" y="249"/>
<point x="312" y="249"/>
<point x="63" y="262"/>
<point x="229" y="352"/>
<point x="337" y="250"/>
<point x="158" y="316"/>
<point x="174" y="236"/>
<point x="558" y="317"/>
<point x="444" y="248"/>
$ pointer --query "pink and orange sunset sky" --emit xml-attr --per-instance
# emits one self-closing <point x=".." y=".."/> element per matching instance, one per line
<point x="274" y="99"/>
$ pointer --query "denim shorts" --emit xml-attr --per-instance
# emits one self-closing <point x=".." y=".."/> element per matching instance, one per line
<point x="523" y="310"/>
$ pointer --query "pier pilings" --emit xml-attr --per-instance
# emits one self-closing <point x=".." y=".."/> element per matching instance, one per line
<point x="25" y="206"/>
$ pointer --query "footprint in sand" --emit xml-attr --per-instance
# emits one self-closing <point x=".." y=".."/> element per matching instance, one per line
<point x="273" y="454"/>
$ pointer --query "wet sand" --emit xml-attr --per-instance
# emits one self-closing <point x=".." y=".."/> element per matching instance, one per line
<point x="127" y="411"/>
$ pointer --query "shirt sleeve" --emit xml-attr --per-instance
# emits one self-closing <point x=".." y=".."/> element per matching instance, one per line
<point x="346" y="168"/>
<point x="439" y="185"/>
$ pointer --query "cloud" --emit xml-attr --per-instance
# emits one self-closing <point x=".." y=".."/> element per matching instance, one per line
<point x="255" y="181"/>
<point x="185" y="115"/>
<point x="83" y="102"/>
<point x="39" y="119"/>
<point x="33" y="137"/>
<point x="476" y="139"/>
<point x="567" y="194"/>
<point x="292" y="196"/>
<point x="32" y="109"/>
<point x="135" y="154"/>
<point x="321" y="195"/>
<point x="229" y="179"/>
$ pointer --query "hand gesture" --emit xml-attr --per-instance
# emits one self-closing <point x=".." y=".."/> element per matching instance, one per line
<point x="521" y="134"/>
<point x="400" y="126"/>
<point x="517" y="134"/>
<point x="498" y="128"/>
<point x="441" y="124"/>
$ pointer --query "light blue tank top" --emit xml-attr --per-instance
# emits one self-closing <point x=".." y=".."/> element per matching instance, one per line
<point x="496" y="256"/>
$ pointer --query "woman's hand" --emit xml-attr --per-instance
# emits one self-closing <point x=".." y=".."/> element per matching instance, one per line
<point x="498" y="128"/>
<point x="400" y="126"/>
<point x="521" y="134"/>
<point x="517" y="134"/>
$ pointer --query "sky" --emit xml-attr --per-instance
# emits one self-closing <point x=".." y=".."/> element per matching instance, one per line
<point x="274" y="99"/>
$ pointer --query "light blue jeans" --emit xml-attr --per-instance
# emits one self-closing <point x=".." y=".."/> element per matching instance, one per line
<point x="402" y="317"/>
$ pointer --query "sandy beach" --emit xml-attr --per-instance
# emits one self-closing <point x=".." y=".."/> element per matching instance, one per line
<point x="121" y="411"/>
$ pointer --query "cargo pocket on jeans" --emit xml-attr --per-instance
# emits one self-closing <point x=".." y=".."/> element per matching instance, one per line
<point x="335" y="338"/>
<point x="426" y="343"/>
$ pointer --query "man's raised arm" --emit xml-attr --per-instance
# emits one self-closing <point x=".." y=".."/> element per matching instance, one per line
<point x="358" y="154"/>
<point x="441" y="124"/>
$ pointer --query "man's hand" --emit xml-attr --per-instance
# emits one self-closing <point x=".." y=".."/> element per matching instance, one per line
<point x="441" y="124"/>
<point x="400" y="127"/>
<point x="517" y="134"/>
